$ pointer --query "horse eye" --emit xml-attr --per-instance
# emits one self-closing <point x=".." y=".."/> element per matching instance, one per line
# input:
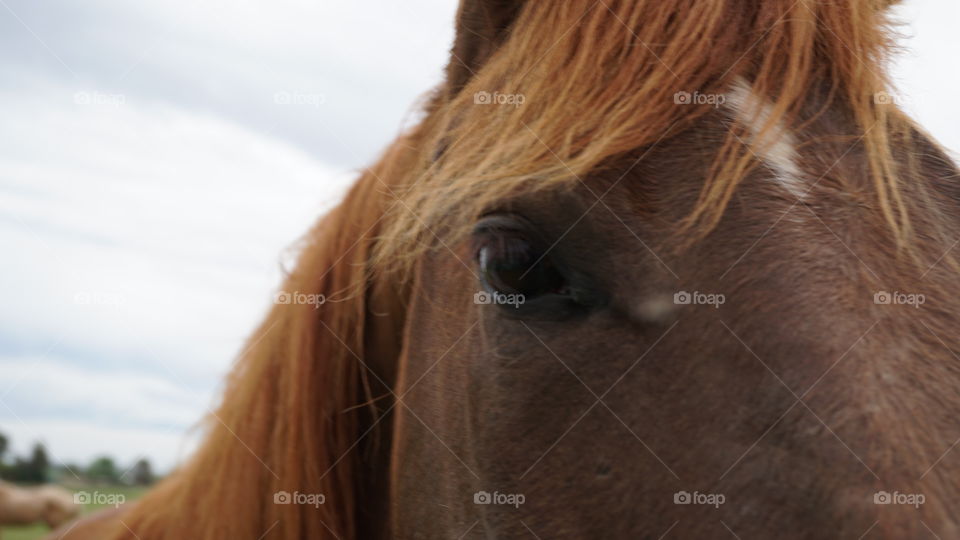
<point x="509" y="264"/>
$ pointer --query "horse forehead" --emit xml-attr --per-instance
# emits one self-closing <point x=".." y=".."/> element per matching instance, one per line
<point x="773" y="143"/>
<point x="679" y="165"/>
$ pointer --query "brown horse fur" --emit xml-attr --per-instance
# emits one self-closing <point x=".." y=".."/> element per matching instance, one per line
<point x="52" y="505"/>
<point x="318" y="401"/>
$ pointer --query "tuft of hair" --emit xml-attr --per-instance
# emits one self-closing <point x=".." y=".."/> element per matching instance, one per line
<point x="598" y="80"/>
<point x="291" y="410"/>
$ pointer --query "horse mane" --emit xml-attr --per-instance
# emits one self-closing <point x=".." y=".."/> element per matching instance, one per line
<point x="598" y="80"/>
<point x="289" y="420"/>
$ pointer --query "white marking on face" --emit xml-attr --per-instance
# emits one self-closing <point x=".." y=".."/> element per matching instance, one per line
<point x="657" y="308"/>
<point x="777" y="146"/>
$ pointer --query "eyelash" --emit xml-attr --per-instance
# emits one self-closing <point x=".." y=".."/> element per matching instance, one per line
<point x="513" y="262"/>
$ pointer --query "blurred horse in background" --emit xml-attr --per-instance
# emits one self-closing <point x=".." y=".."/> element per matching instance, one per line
<point x="52" y="505"/>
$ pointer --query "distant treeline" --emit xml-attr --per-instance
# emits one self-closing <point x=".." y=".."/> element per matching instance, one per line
<point x="37" y="469"/>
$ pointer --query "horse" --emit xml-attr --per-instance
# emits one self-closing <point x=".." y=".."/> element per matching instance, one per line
<point x="48" y="504"/>
<point x="642" y="269"/>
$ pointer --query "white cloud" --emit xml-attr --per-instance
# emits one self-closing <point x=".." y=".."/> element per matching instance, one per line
<point x="370" y="60"/>
<point x="41" y="386"/>
<point x="150" y="181"/>
<point x="142" y="247"/>
<point x="925" y="73"/>
<point x="179" y="216"/>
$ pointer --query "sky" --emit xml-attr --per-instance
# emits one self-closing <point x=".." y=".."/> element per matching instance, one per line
<point x="159" y="161"/>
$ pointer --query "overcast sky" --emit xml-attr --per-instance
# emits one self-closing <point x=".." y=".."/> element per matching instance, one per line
<point x="160" y="157"/>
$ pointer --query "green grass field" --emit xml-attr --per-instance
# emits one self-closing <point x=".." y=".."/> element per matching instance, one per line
<point x="32" y="532"/>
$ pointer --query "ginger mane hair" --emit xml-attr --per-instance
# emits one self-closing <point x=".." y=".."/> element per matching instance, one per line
<point x="598" y="80"/>
<point x="293" y="405"/>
